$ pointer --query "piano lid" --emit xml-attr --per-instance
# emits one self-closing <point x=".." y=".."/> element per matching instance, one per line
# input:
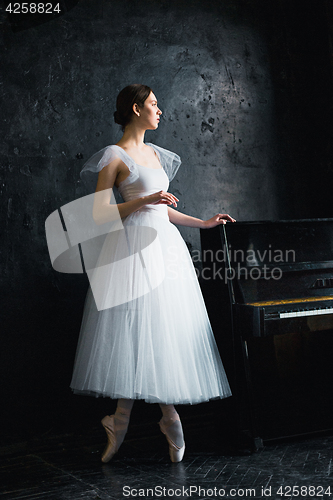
<point x="290" y="245"/>
<point x="278" y="260"/>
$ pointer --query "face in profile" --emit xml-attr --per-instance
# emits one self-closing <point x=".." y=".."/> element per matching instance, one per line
<point x="150" y="113"/>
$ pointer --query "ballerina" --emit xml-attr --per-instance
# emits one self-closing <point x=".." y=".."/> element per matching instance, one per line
<point x="158" y="345"/>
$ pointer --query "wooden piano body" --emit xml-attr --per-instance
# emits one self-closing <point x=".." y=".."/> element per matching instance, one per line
<point x="268" y="288"/>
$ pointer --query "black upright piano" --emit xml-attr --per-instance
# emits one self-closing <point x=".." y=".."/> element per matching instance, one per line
<point x="268" y="288"/>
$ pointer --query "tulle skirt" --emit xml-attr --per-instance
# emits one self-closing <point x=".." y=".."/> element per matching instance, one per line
<point x="145" y="331"/>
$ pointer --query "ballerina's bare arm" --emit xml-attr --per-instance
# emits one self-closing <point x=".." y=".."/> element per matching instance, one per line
<point x="103" y="211"/>
<point x="186" y="220"/>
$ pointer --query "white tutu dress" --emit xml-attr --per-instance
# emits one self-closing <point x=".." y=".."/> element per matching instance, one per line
<point x="149" y="336"/>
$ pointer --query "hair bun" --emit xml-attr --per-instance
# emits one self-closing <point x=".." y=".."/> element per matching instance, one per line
<point x="117" y="118"/>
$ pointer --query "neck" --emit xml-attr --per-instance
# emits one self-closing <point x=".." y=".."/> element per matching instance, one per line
<point x="133" y="137"/>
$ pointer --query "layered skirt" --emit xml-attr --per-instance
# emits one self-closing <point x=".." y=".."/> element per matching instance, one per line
<point x="145" y="331"/>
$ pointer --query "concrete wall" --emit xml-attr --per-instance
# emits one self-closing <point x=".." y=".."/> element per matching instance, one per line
<point x="244" y="87"/>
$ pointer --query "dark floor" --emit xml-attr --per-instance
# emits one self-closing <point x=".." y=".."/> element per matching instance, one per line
<point x="67" y="466"/>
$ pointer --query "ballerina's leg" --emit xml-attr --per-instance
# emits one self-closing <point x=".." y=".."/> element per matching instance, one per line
<point x="171" y="426"/>
<point x="116" y="427"/>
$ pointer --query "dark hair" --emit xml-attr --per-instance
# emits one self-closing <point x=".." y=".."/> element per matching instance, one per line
<point x="130" y="95"/>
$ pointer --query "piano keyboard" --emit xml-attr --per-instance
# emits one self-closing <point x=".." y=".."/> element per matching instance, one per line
<point x="312" y="312"/>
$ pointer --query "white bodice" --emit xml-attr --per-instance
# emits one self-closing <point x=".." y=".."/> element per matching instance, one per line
<point x="141" y="180"/>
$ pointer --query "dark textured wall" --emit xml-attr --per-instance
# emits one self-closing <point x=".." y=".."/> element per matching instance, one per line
<point x="246" y="93"/>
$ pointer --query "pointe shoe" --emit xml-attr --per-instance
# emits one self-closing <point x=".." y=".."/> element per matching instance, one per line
<point x="176" y="453"/>
<point x="113" y="443"/>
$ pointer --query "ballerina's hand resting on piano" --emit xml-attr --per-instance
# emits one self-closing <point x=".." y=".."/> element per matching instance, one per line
<point x="216" y="220"/>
